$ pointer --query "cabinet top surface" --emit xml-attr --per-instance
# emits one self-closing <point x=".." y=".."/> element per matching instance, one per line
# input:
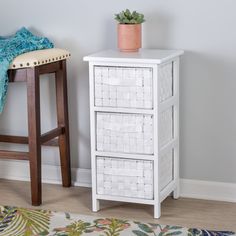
<point x="156" y="56"/>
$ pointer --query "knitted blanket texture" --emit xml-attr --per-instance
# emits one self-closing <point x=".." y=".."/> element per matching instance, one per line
<point x="22" y="41"/>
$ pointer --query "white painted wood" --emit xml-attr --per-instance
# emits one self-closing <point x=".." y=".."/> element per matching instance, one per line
<point x="157" y="189"/>
<point x="125" y="199"/>
<point x="95" y="202"/>
<point x="123" y="110"/>
<point x="149" y="56"/>
<point x="114" y="63"/>
<point x="168" y="103"/>
<point x="164" y="149"/>
<point x="167" y="190"/>
<point x="164" y="64"/>
<point x="125" y="155"/>
<point x="176" y="192"/>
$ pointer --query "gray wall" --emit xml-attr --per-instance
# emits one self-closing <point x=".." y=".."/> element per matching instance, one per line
<point x="205" y="29"/>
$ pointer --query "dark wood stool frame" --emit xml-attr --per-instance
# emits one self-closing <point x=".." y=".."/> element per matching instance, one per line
<point x="35" y="139"/>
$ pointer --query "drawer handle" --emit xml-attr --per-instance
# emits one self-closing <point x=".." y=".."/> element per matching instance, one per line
<point x="122" y="172"/>
<point x="124" y="127"/>
<point x="121" y="82"/>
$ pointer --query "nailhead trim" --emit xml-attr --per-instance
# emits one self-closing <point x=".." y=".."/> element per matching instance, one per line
<point x="44" y="62"/>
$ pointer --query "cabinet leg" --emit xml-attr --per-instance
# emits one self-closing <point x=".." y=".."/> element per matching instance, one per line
<point x="157" y="210"/>
<point x="96" y="205"/>
<point x="176" y="192"/>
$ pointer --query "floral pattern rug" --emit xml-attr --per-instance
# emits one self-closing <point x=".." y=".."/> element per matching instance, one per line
<point x="28" y="222"/>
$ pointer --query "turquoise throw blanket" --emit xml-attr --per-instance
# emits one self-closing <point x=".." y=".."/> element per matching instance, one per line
<point x="10" y="47"/>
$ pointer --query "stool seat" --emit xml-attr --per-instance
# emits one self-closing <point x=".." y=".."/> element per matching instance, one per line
<point x="39" y="57"/>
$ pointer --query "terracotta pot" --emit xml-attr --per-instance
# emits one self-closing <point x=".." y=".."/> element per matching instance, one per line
<point x="129" y="37"/>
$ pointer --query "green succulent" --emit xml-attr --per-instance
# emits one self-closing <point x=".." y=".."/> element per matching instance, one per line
<point x="126" y="17"/>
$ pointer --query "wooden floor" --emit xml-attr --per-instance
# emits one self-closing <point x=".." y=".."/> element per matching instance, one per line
<point x="184" y="212"/>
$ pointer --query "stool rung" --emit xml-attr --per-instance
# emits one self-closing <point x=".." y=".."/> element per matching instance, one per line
<point x="14" y="155"/>
<point x="52" y="134"/>
<point x="25" y="140"/>
<point x="14" y="139"/>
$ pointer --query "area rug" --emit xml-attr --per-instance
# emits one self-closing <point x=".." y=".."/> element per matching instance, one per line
<point x="28" y="222"/>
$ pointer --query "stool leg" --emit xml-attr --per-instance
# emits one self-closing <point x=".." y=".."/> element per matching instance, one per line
<point x="63" y="121"/>
<point x="33" y="100"/>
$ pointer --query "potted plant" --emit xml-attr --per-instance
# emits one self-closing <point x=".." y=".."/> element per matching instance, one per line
<point x="129" y="30"/>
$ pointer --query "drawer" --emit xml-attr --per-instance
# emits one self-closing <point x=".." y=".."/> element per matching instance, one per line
<point x="132" y="133"/>
<point x="131" y="178"/>
<point x="131" y="87"/>
<point x="125" y="133"/>
<point x="124" y="177"/>
<point x="123" y="87"/>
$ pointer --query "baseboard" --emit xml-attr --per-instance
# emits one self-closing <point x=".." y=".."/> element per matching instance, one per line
<point x="19" y="170"/>
<point x="208" y="190"/>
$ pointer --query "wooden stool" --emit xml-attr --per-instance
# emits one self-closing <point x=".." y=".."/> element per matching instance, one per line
<point x="27" y="68"/>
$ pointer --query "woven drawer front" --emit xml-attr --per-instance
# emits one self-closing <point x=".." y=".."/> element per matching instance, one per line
<point x="126" y="133"/>
<point x="126" y="178"/>
<point x="166" y="126"/>
<point x="123" y="87"/>
<point x="166" y="169"/>
<point x="166" y="81"/>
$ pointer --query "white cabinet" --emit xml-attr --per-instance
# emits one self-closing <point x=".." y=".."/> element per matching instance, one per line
<point x="134" y="119"/>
